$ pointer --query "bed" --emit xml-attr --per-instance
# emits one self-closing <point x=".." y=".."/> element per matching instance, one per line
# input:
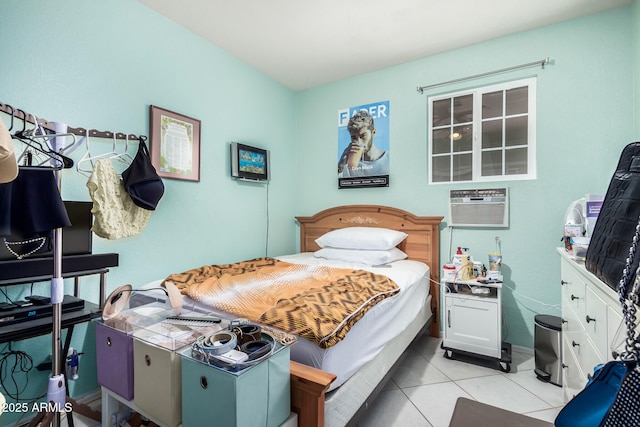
<point x="342" y="406"/>
<point x="330" y="386"/>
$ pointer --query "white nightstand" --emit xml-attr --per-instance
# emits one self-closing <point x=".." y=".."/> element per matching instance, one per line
<point x="472" y="322"/>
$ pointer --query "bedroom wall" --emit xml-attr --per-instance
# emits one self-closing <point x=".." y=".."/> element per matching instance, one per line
<point x="585" y="117"/>
<point x="100" y="65"/>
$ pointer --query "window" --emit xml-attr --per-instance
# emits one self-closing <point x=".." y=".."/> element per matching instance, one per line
<point x="485" y="134"/>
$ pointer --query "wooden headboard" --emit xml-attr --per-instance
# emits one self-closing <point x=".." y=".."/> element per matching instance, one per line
<point x="422" y="243"/>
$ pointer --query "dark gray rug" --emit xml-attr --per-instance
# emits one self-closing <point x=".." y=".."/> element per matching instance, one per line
<point x="469" y="413"/>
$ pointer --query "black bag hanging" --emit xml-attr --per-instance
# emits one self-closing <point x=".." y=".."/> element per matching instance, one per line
<point x="612" y="236"/>
<point x="625" y="410"/>
<point x="141" y="181"/>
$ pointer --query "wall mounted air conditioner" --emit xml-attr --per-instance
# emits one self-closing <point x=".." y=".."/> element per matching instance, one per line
<point x="479" y="208"/>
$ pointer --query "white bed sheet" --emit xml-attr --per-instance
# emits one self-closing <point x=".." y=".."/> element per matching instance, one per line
<point x="368" y="336"/>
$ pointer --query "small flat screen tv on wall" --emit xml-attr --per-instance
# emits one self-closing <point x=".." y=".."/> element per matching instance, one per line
<point x="249" y="163"/>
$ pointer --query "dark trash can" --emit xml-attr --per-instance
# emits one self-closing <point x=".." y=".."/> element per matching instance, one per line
<point x="548" y="348"/>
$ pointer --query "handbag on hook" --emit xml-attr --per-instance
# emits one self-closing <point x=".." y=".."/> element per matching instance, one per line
<point x="611" y="398"/>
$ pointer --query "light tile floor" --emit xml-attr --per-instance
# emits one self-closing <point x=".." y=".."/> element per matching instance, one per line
<point x="424" y="390"/>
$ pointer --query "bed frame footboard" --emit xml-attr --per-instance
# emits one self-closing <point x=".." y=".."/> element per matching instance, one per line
<point x="308" y="387"/>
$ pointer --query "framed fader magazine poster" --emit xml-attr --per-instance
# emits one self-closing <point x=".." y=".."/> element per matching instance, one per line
<point x="363" y="146"/>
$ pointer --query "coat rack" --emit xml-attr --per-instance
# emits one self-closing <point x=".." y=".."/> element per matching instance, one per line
<point x="56" y="391"/>
<point x="79" y="131"/>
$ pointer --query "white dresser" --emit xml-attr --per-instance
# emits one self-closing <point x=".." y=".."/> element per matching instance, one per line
<point x="591" y="315"/>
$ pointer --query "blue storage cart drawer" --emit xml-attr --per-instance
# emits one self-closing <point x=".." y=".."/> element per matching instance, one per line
<point x="254" y="397"/>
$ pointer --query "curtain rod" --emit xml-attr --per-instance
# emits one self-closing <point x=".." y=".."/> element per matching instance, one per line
<point x="28" y="117"/>
<point x="541" y="62"/>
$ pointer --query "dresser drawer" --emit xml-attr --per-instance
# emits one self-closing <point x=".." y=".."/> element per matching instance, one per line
<point x="573" y="378"/>
<point x="570" y="323"/>
<point x="575" y="338"/>
<point x="573" y="290"/>
<point x="585" y="352"/>
<point x="589" y="358"/>
<point x="595" y="322"/>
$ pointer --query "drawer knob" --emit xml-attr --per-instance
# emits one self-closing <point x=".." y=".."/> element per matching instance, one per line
<point x="562" y="282"/>
<point x="564" y="366"/>
<point x="590" y="319"/>
<point x="564" y="321"/>
<point x="108" y="341"/>
<point x="573" y="297"/>
<point x="147" y="360"/>
<point x="203" y="382"/>
<point x="574" y="344"/>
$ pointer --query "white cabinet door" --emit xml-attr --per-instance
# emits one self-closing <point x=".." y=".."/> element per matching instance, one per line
<point x="472" y="324"/>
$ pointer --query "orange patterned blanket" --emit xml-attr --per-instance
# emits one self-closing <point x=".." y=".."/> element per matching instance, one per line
<point x="315" y="302"/>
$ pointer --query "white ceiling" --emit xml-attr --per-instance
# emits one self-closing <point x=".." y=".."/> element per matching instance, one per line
<point x="307" y="43"/>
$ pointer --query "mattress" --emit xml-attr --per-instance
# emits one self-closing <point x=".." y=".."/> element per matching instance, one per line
<point x="367" y="337"/>
<point x="342" y="403"/>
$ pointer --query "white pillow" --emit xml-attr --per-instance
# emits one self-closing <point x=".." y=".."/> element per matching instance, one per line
<point x="369" y="257"/>
<point x="370" y="238"/>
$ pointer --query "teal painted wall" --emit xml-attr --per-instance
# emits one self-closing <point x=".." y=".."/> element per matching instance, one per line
<point x="584" y="119"/>
<point x="100" y="65"/>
